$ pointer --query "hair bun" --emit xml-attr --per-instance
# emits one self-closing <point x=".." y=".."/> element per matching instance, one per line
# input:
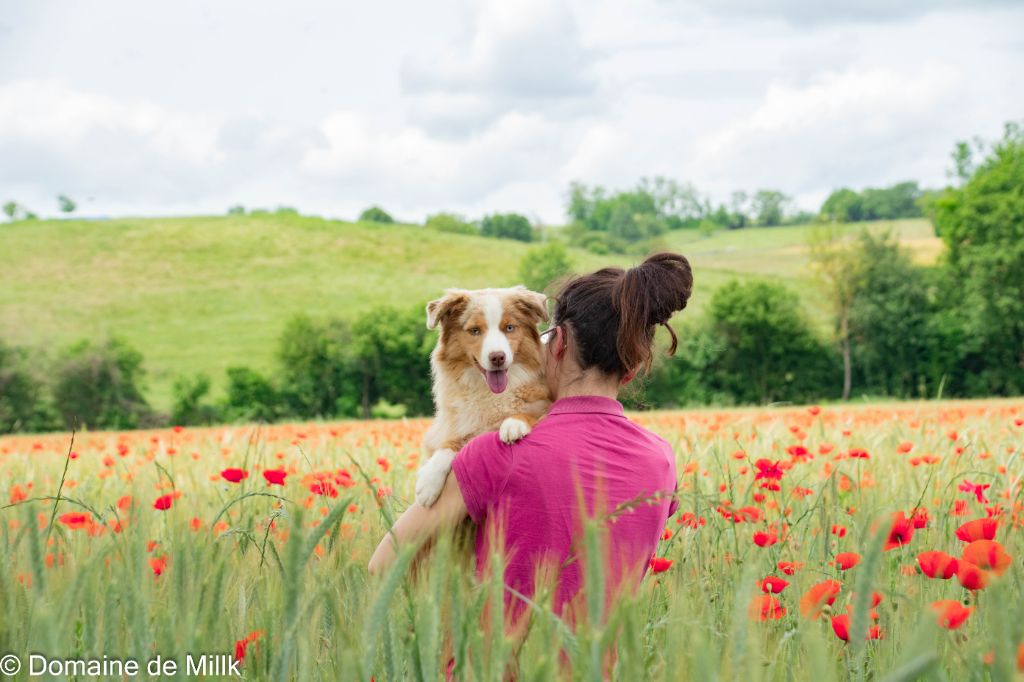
<point x="667" y="281"/>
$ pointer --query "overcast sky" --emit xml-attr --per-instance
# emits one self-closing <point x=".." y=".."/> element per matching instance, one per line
<point x="191" y="106"/>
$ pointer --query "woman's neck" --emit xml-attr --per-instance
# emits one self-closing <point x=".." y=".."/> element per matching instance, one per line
<point x="591" y="382"/>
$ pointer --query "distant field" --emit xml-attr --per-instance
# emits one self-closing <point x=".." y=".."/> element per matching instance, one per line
<point x="201" y="294"/>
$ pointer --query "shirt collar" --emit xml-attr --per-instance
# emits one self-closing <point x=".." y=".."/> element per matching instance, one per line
<point x="581" y="404"/>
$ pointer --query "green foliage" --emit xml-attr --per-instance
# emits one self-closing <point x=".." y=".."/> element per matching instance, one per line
<point x="892" y="338"/>
<point x="769" y="207"/>
<point x="375" y="214"/>
<point x="97" y="385"/>
<point x="902" y="200"/>
<point x="544" y="266"/>
<point x="764" y="348"/>
<point x="391" y="350"/>
<point x="65" y="204"/>
<point x="251" y="397"/>
<point x="24" y="403"/>
<point x="450" y="222"/>
<point x="318" y="372"/>
<point x="237" y="209"/>
<point x="189" y="408"/>
<point x="507" y="226"/>
<point x="982" y="224"/>
<point x="385" y="410"/>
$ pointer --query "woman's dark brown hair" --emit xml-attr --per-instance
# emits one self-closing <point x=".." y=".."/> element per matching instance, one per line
<point x="612" y="313"/>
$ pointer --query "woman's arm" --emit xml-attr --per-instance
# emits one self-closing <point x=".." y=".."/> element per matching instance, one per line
<point x="418" y="523"/>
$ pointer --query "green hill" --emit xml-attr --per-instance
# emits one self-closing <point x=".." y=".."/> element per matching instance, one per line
<point x="204" y="293"/>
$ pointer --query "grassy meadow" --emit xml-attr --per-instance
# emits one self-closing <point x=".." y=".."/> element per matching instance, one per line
<point x="201" y="294"/>
<point x="800" y="533"/>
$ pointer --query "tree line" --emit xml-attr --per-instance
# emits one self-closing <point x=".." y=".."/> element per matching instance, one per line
<point x="900" y="330"/>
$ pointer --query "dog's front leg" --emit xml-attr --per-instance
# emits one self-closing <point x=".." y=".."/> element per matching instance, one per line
<point x="432" y="475"/>
<point x="516" y="427"/>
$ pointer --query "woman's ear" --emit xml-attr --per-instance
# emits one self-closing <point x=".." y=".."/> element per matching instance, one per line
<point x="627" y="377"/>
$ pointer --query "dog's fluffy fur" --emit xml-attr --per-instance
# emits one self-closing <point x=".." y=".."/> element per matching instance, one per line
<point x="487" y="368"/>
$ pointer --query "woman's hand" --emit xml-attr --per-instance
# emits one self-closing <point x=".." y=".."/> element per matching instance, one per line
<point x="419" y="523"/>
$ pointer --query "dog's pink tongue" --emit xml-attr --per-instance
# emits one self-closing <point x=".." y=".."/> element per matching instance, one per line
<point x="497" y="380"/>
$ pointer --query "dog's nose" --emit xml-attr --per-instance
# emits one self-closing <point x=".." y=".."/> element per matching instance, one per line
<point x="497" y="358"/>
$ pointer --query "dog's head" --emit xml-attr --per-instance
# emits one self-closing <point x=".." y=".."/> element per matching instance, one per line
<point x="488" y="328"/>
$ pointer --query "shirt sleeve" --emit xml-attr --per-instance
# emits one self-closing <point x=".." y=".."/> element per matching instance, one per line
<point x="482" y="469"/>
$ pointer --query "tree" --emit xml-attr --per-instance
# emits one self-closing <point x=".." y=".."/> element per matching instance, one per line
<point x="507" y="226"/>
<point x="890" y="321"/>
<point x="982" y="224"/>
<point x="542" y="266"/>
<point x="98" y="385"/>
<point x="318" y="373"/>
<point x="764" y="348"/>
<point x="189" y="408"/>
<point x="13" y="211"/>
<point x="251" y="397"/>
<point x="23" y="401"/>
<point x="65" y="204"/>
<point x="450" y="222"/>
<point x="769" y="207"/>
<point x="835" y="263"/>
<point x="375" y="214"/>
<point x="237" y="209"/>
<point x="842" y="206"/>
<point x="391" y="350"/>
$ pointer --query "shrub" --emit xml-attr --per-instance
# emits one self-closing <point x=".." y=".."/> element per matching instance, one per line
<point x="763" y="348"/>
<point x="24" y="404"/>
<point x="250" y="397"/>
<point x="385" y="410"/>
<point x="318" y="374"/>
<point x="449" y="222"/>
<point x="507" y="226"/>
<point x="392" y="353"/>
<point x="189" y="409"/>
<point x="543" y="266"/>
<point x="97" y="385"/>
<point x="375" y="214"/>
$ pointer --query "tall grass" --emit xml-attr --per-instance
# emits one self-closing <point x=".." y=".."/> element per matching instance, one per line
<point x="289" y="565"/>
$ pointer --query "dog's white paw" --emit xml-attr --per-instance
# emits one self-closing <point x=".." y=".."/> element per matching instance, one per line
<point x="432" y="475"/>
<point x="513" y="429"/>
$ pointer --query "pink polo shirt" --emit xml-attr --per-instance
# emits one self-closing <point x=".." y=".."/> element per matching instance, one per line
<point x="585" y="448"/>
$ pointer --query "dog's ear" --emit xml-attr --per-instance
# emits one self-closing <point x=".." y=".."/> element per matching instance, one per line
<point x="532" y="303"/>
<point x="453" y="301"/>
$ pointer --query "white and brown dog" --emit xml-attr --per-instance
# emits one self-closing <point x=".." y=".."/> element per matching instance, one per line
<point x="488" y="374"/>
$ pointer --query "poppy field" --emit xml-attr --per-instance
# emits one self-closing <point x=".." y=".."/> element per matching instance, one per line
<point x="832" y="543"/>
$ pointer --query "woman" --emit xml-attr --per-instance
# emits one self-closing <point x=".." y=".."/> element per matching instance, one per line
<point x="583" y="455"/>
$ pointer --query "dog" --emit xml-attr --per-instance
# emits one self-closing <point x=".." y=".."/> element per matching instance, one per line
<point x="487" y="370"/>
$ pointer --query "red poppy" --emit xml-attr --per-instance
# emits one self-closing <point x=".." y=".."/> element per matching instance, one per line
<point x="818" y="597"/>
<point x="841" y="626"/>
<point x="234" y="475"/>
<point x="790" y="567"/>
<point x="978" y="529"/>
<point x="970" y="576"/>
<point x="323" y="488"/>
<point x="772" y="585"/>
<point x="937" y="565"/>
<point x="660" y="564"/>
<point x="951" y="613"/>
<point x="158" y="564"/>
<point x="988" y="555"/>
<point x="76" y="520"/>
<point x="766" y="607"/>
<point x="919" y="517"/>
<point x="977" y="489"/>
<point x="243" y="644"/>
<point x="900" y="533"/>
<point x="275" y="476"/>
<point x="768" y="470"/>
<point x="163" y="502"/>
<point x="765" y="539"/>
<point x="847" y="560"/>
<point x="839" y="531"/>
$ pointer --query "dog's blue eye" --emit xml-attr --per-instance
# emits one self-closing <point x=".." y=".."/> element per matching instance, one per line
<point x="474" y="331"/>
<point x="510" y="327"/>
